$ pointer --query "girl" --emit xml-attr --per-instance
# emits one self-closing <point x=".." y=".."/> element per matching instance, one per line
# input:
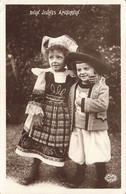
<point x="47" y="128"/>
<point x="88" y="103"/>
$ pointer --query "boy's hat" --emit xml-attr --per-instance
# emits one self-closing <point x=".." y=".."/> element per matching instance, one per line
<point x="63" y="40"/>
<point x="93" y="57"/>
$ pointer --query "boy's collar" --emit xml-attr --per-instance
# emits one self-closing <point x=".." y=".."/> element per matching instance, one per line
<point x="89" y="85"/>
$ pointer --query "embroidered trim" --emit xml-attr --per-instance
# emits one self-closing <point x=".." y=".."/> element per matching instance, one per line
<point x="57" y="90"/>
<point x="49" y="160"/>
<point x="57" y="99"/>
<point x="47" y="150"/>
<point x="38" y="153"/>
<point x="102" y="118"/>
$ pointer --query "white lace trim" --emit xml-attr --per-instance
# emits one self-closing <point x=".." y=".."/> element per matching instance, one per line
<point x="33" y="109"/>
<point x="37" y="71"/>
<point x="35" y="155"/>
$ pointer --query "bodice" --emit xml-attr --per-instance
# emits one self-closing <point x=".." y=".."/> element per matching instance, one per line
<point x="55" y="89"/>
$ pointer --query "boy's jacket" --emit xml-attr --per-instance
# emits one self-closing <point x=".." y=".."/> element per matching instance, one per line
<point x="95" y="106"/>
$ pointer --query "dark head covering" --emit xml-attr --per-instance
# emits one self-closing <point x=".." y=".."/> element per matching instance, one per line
<point x="93" y="57"/>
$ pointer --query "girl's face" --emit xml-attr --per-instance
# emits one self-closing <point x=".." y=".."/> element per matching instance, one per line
<point x="56" y="60"/>
<point x="84" y="71"/>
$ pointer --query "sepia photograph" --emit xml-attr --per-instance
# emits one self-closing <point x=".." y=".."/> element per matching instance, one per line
<point x="63" y="78"/>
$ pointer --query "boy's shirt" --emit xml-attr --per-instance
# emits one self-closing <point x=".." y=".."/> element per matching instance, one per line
<point x="79" y="115"/>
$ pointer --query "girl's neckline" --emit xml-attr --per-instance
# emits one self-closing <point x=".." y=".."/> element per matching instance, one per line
<point x="59" y="71"/>
<point x="59" y="76"/>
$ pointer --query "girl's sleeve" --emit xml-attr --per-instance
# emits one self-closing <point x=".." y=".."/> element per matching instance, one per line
<point x="97" y="105"/>
<point x="36" y="101"/>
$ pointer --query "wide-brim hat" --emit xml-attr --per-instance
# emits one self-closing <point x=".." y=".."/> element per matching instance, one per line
<point x="93" y="57"/>
<point x="64" y="41"/>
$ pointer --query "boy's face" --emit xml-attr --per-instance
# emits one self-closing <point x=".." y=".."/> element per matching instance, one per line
<point x="56" y="60"/>
<point x="84" y="71"/>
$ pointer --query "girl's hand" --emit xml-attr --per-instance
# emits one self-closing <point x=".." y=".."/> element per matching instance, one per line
<point x="70" y="72"/>
<point x="37" y="120"/>
<point x="93" y="79"/>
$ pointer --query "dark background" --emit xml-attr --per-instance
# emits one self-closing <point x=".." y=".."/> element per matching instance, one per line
<point x="97" y="26"/>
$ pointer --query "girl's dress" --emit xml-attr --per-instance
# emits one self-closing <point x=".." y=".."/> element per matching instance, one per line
<point x="49" y="142"/>
<point x="89" y="142"/>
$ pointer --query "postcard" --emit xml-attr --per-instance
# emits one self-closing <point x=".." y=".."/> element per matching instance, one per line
<point x="62" y="127"/>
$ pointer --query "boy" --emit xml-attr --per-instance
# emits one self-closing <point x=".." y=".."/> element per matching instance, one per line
<point x="88" y="103"/>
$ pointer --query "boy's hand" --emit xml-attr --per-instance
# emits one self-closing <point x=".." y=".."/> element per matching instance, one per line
<point x="93" y="79"/>
<point x="37" y="120"/>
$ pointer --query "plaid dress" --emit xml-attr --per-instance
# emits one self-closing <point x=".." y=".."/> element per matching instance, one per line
<point x="50" y="142"/>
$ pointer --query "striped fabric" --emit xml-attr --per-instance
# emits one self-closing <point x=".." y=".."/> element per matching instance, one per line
<point x="56" y="128"/>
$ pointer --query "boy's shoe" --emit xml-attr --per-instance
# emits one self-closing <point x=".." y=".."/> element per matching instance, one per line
<point x="101" y="172"/>
<point x="78" y="178"/>
<point x="76" y="182"/>
<point x="101" y="184"/>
